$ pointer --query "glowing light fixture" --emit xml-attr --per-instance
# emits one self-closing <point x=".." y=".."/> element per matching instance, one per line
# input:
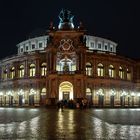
<point x="32" y="92"/>
<point x="100" y="92"/>
<point x="112" y="92"/>
<point x="124" y="93"/>
<point x="9" y="93"/>
<point x="132" y="94"/>
<point x="1" y="93"/>
<point x="21" y="92"/>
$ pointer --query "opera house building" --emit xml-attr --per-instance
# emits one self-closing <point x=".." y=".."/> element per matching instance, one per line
<point x="66" y="63"/>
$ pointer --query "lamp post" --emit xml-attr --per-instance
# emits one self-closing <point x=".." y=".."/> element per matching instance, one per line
<point x="132" y="95"/>
<point x="101" y="97"/>
<point x="128" y="99"/>
<point x="139" y="98"/>
<point x="4" y="99"/>
<point x="21" y="100"/>
<point x="124" y="93"/>
<point x="1" y="94"/>
<point x="32" y="93"/>
<point x="9" y="94"/>
<point x="112" y="93"/>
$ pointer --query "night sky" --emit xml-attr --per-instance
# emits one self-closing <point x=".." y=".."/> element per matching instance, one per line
<point x="117" y="20"/>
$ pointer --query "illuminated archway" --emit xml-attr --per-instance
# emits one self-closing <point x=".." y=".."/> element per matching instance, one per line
<point x="66" y="91"/>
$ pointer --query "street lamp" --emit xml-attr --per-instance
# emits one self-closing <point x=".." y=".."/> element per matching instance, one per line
<point x="101" y="96"/>
<point x="100" y="92"/>
<point x="32" y="93"/>
<point x="128" y="99"/>
<point x="1" y="94"/>
<point x="139" y="98"/>
<point x="9" y="93"/>
<point x="124" y="93"/>
<point x="4" y="99"/>
<point x="21" y="99"/>
<point x="21" y="92"/>
<point x="132" y="95"/>
<point x="112" y="93"/>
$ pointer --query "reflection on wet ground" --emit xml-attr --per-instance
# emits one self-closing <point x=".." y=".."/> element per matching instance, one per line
<point x="23" y="123"/>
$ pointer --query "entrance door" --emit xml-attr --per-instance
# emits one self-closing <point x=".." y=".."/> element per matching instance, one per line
<point x="66" y="96"/>
<point x="66" y="91"/>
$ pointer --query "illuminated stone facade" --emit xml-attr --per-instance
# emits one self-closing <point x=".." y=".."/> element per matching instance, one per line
<point x="68" y="64"/>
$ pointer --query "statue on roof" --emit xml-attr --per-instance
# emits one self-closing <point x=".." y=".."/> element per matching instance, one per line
<point x="66" y="16"/>
<point x="66" y="19"/>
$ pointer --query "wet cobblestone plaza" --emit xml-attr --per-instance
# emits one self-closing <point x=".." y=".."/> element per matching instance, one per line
<point x="53" y="124"/>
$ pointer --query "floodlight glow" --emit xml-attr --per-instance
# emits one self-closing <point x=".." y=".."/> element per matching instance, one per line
<point x="23" y="100"/>
<point x="32" y="92"/>
<point x="138" y="94"/>
<point x="132" y="94"/>
<point x="21" y="92"/>
<point x="112" y="92"/>
<point x="100" y="92"/>
<point x="9" y="93"/>
<point x="124" y="93"/>
<point x="1" y="93"/>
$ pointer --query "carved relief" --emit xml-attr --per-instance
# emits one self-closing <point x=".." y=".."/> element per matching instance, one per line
<point x="66" y="45"/>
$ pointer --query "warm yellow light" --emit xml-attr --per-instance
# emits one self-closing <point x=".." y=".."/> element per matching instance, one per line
<point x="9" y="93"/>
<point x="66" y="87"/>
<point x="32" y="92"/>
<point x="112" y="92"/>
<point x="138" y="94"/>
<point x="21" y="92"/>
<point x="100" y="92"/>
<point x="124" y="93"/>
<point x="132" y="94"/>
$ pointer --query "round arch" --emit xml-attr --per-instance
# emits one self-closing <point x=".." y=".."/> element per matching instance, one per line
<point x="66" y="91"/>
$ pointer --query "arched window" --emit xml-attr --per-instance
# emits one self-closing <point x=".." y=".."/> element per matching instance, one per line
<point x="43" y="69"/>
<point x="111" y="71"/>
<point x="21" y="71"/>
<point x="100" y="70"/>
<point x="88" y="69"/>
<point x="5" y="74"/>
<point x="12" y="72"/>
<point x="128" y="74"/>
<point x="121" y="73"/>
<point x="32" y="70"/>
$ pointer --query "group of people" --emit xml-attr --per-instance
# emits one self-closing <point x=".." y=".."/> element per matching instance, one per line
<point x="72" y="104"/>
